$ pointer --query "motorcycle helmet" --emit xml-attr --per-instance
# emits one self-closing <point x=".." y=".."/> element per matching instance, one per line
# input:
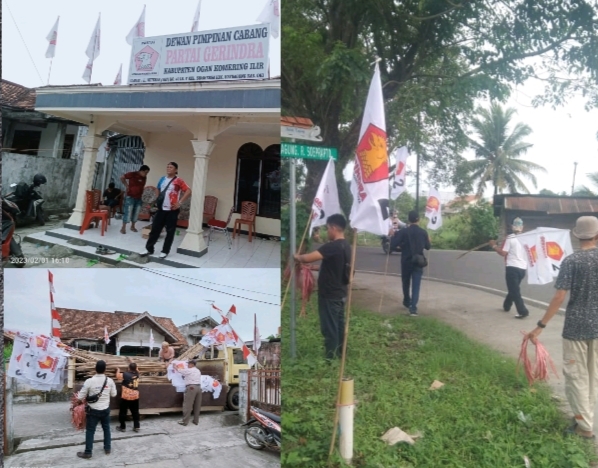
<point x="39" y="179"/>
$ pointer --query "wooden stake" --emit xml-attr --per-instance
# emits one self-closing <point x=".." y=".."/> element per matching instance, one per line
<point x="344" y="355"/>
<point x="286" y="292"/>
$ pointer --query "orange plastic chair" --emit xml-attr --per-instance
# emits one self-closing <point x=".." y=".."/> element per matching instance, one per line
<point x="222" y="226"/>
<point x="248" y="211"/>
<point x="209" y="206"/>
<point x="92" y="213"/>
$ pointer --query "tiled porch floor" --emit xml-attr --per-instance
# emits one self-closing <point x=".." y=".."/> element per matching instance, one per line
<point x="260" y="253"/>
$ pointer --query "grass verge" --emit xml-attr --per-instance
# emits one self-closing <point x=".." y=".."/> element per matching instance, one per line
<point x="473" y="421"/>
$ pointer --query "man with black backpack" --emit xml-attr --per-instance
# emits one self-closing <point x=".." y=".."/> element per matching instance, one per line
<point x="169" y="206"/>
<point x="97" y="390"/>
<point x="412" y="241"/>
<point x="333" y="279"/>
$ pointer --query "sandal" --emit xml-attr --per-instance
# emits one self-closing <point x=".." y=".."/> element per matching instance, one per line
<point x="134" y="229"/>
<point x="573" y="431"/>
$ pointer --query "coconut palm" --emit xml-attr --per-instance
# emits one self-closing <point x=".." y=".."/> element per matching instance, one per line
<point x="587" y="191"/>
<point x="498" y="152"/>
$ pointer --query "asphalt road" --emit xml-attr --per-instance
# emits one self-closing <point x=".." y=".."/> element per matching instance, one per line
<point x="479" y="268"/>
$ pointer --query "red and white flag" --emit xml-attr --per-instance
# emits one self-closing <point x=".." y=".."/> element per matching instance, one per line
<point x="434" y="209"/>
<point x="232" y="311"/>
<point x="257" y="342"/>
<point x="54" y="312"/>
<point x="271" y="14"/>
<point x="326" y="200"/>
<point x="52" y="37"/>
<point x="138" y="29"/>
<point x="398" y="181"/>
<point x="249" y="356"/>
<point x="195" y="25"/>
<point x="118" y="79"/>
<point x="369" y="186"/>
<point x="92" y="51"/>
<point x="106" y="337"/>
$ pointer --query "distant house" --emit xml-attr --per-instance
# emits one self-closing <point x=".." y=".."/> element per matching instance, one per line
<point x="458" y="204"/>
<point x="194" y="331"/>
<point x="34" y="142"/>
<point x="269" y="353"/>
<point x="543" y="211"/>
<point x="129" y="332"/>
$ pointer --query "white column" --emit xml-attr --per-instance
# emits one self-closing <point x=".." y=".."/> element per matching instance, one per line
<point x="91" y="143"/>
<point x="194" y="243"/>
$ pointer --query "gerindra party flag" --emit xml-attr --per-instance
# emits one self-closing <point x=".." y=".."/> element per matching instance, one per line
<point x="118" y="79"/>
<point x="326" y="201"/>
<point x="433" y="209"/>
<point x="52" y="37"/>
<point x="138" y="29"/>
<point x="369" y="185"/>
<point x="195" y="25"/>
<point x="398" y="180"/>
<point x="271" y="14"/>
<point x="92" y="51"/>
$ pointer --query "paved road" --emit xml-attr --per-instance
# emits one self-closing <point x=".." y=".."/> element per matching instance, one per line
<point x="480" y="268"/>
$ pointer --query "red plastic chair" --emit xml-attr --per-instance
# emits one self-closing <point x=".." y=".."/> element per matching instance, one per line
<point x="248" y="212"/>
<point x="222" y="226"/>
<point x="209" y="206"/>
<point x="92" y="213"/>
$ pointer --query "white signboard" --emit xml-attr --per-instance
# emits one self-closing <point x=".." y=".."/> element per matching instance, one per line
<point x="224" y="54"/>
<point x="300" y="133"/>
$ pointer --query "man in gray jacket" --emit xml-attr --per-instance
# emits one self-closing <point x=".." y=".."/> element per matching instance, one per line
<point x="100" y="410"/>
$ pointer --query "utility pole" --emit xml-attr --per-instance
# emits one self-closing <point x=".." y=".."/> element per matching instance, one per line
<point x="419" y="124"/>
<point x="574" y="172"/>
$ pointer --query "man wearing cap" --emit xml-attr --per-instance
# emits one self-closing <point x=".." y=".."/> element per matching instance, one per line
<point x="516" y="261"/>
<point x="100" y="410"/>
<point x="170" y="186"/>
<point x="579" y="275"/>
<point x="192" y="401"/>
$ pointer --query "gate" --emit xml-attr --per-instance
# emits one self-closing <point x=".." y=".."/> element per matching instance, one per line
<point x="129" y="153"/>
<point x="264" y="390"/>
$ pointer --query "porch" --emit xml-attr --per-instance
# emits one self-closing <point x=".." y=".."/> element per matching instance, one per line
<point x="260" y="253"/>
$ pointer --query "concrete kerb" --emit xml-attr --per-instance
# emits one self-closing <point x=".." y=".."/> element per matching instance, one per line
<point x="496" y="292"/>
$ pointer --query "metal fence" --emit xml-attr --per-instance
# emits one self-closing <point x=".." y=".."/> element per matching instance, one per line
<point x="264" y="389"/>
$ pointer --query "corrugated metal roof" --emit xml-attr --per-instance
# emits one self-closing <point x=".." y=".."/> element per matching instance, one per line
<point x="552" y="205"/>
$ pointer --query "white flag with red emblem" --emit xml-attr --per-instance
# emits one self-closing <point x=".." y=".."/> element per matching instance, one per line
<point x="106" y="337"/>
<point x="369" y="186"/>
<point x="232" y="311"/>
<point x="195" y="25"/>
<point x="326" y="201"/>
<point x="93" y="48"/>
<point x="397" y="185"/>
<point x="138" y="30"/>
<point x="118" y="79"/>
<point x="434" y="210"/>
<point x="53" y="311"/>
<point x="52" y="38"/>
<point x="271" y="14"/>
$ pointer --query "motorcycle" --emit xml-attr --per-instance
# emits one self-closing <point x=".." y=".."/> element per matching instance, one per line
<point x="29" y="199"/>
<point x="263" y="430"/>
<point x="389" y="244"/>
<point x="11" y="243"/>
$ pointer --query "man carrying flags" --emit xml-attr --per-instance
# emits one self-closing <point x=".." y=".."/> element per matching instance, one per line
<point x="332" y="284"/>
<point x="516" y="262"/>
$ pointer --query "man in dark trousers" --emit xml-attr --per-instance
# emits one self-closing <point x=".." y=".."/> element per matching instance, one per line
<point x="516" y="261"/>
<point x="171" y="186"/>
<point x="412" y="241"/>
<point x="332" y="283"/>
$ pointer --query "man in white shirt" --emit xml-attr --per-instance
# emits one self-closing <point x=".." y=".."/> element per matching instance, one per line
<point x="193" y="393"/>
<point x="516" y="261"/>
<point x="100" y="410"/>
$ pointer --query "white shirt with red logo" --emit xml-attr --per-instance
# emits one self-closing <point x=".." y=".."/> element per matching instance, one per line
<point x="174" y="191"/>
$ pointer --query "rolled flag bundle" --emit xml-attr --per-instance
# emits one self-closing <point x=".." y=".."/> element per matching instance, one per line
<point x="138" y="30"/>
<point x="52" y="38"/>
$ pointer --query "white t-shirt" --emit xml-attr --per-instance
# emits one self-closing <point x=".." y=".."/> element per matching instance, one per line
<point x="516" y="253"/>
<point x="93" y="385"/>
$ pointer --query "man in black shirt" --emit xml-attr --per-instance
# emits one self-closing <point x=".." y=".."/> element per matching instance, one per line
<point x="412" y="241"/>
<point x="332" y="283"/>
<point x="112" y="195"/>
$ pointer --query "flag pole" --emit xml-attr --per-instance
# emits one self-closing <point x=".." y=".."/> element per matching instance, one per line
<point x="293" y="269"/>
<point x="389" y="249"/>
<point x="345" y="338"/>
<point x="50" y="71"/>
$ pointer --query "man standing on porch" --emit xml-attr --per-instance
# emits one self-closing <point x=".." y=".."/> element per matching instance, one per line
<point x="134" y="183"/>
<point x="169" y="203"/>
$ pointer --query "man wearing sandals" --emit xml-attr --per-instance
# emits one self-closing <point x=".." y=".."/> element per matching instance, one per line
<point x="579" y="275"/>
<point x="134" y="183"/>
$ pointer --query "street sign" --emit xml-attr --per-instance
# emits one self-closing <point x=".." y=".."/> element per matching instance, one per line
<point x="301" y="133"/>
<point x="294" y="151"/>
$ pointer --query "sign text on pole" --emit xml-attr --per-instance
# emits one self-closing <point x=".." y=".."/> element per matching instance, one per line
<point x="294" y="151"/>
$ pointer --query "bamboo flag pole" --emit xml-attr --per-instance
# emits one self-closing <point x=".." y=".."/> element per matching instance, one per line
<point x="384" y="278"/>
<point x="481" y="246"/>
<point x="286" y="292"/>
<point x="344" y="354"/>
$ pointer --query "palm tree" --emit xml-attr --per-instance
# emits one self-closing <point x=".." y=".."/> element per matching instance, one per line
<point x="498" y="152"/>
<point x="587" y="191"/>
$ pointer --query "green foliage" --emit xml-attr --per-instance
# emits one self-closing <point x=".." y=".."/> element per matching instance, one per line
<point x="465" y="230"/>
<point x="302" y="219"/>
<point x="7" y="351"/>
<point x="471" y="422"/>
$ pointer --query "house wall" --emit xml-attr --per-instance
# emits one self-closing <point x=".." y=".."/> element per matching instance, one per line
<point x="269" y="354"/>
<point x="61" y="174"/>
<point x="138" y="335"/>
<point x="193" y="329"/>
<point x="162" y="148"/>
<point x="48" y="136"/>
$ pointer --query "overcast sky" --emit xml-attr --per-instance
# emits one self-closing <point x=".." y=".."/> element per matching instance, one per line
<point x="35" y="19"/>
<point x="27" y="302"/>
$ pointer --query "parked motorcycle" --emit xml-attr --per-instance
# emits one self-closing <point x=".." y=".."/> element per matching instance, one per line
<point x="11" y="244"/>
<point x="389" y="244"/>
<point x="29" y="199"/>
<point x="263" y="430"/>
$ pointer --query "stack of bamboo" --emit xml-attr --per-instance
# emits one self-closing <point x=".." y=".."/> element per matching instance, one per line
<point x="192" y="352"/>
